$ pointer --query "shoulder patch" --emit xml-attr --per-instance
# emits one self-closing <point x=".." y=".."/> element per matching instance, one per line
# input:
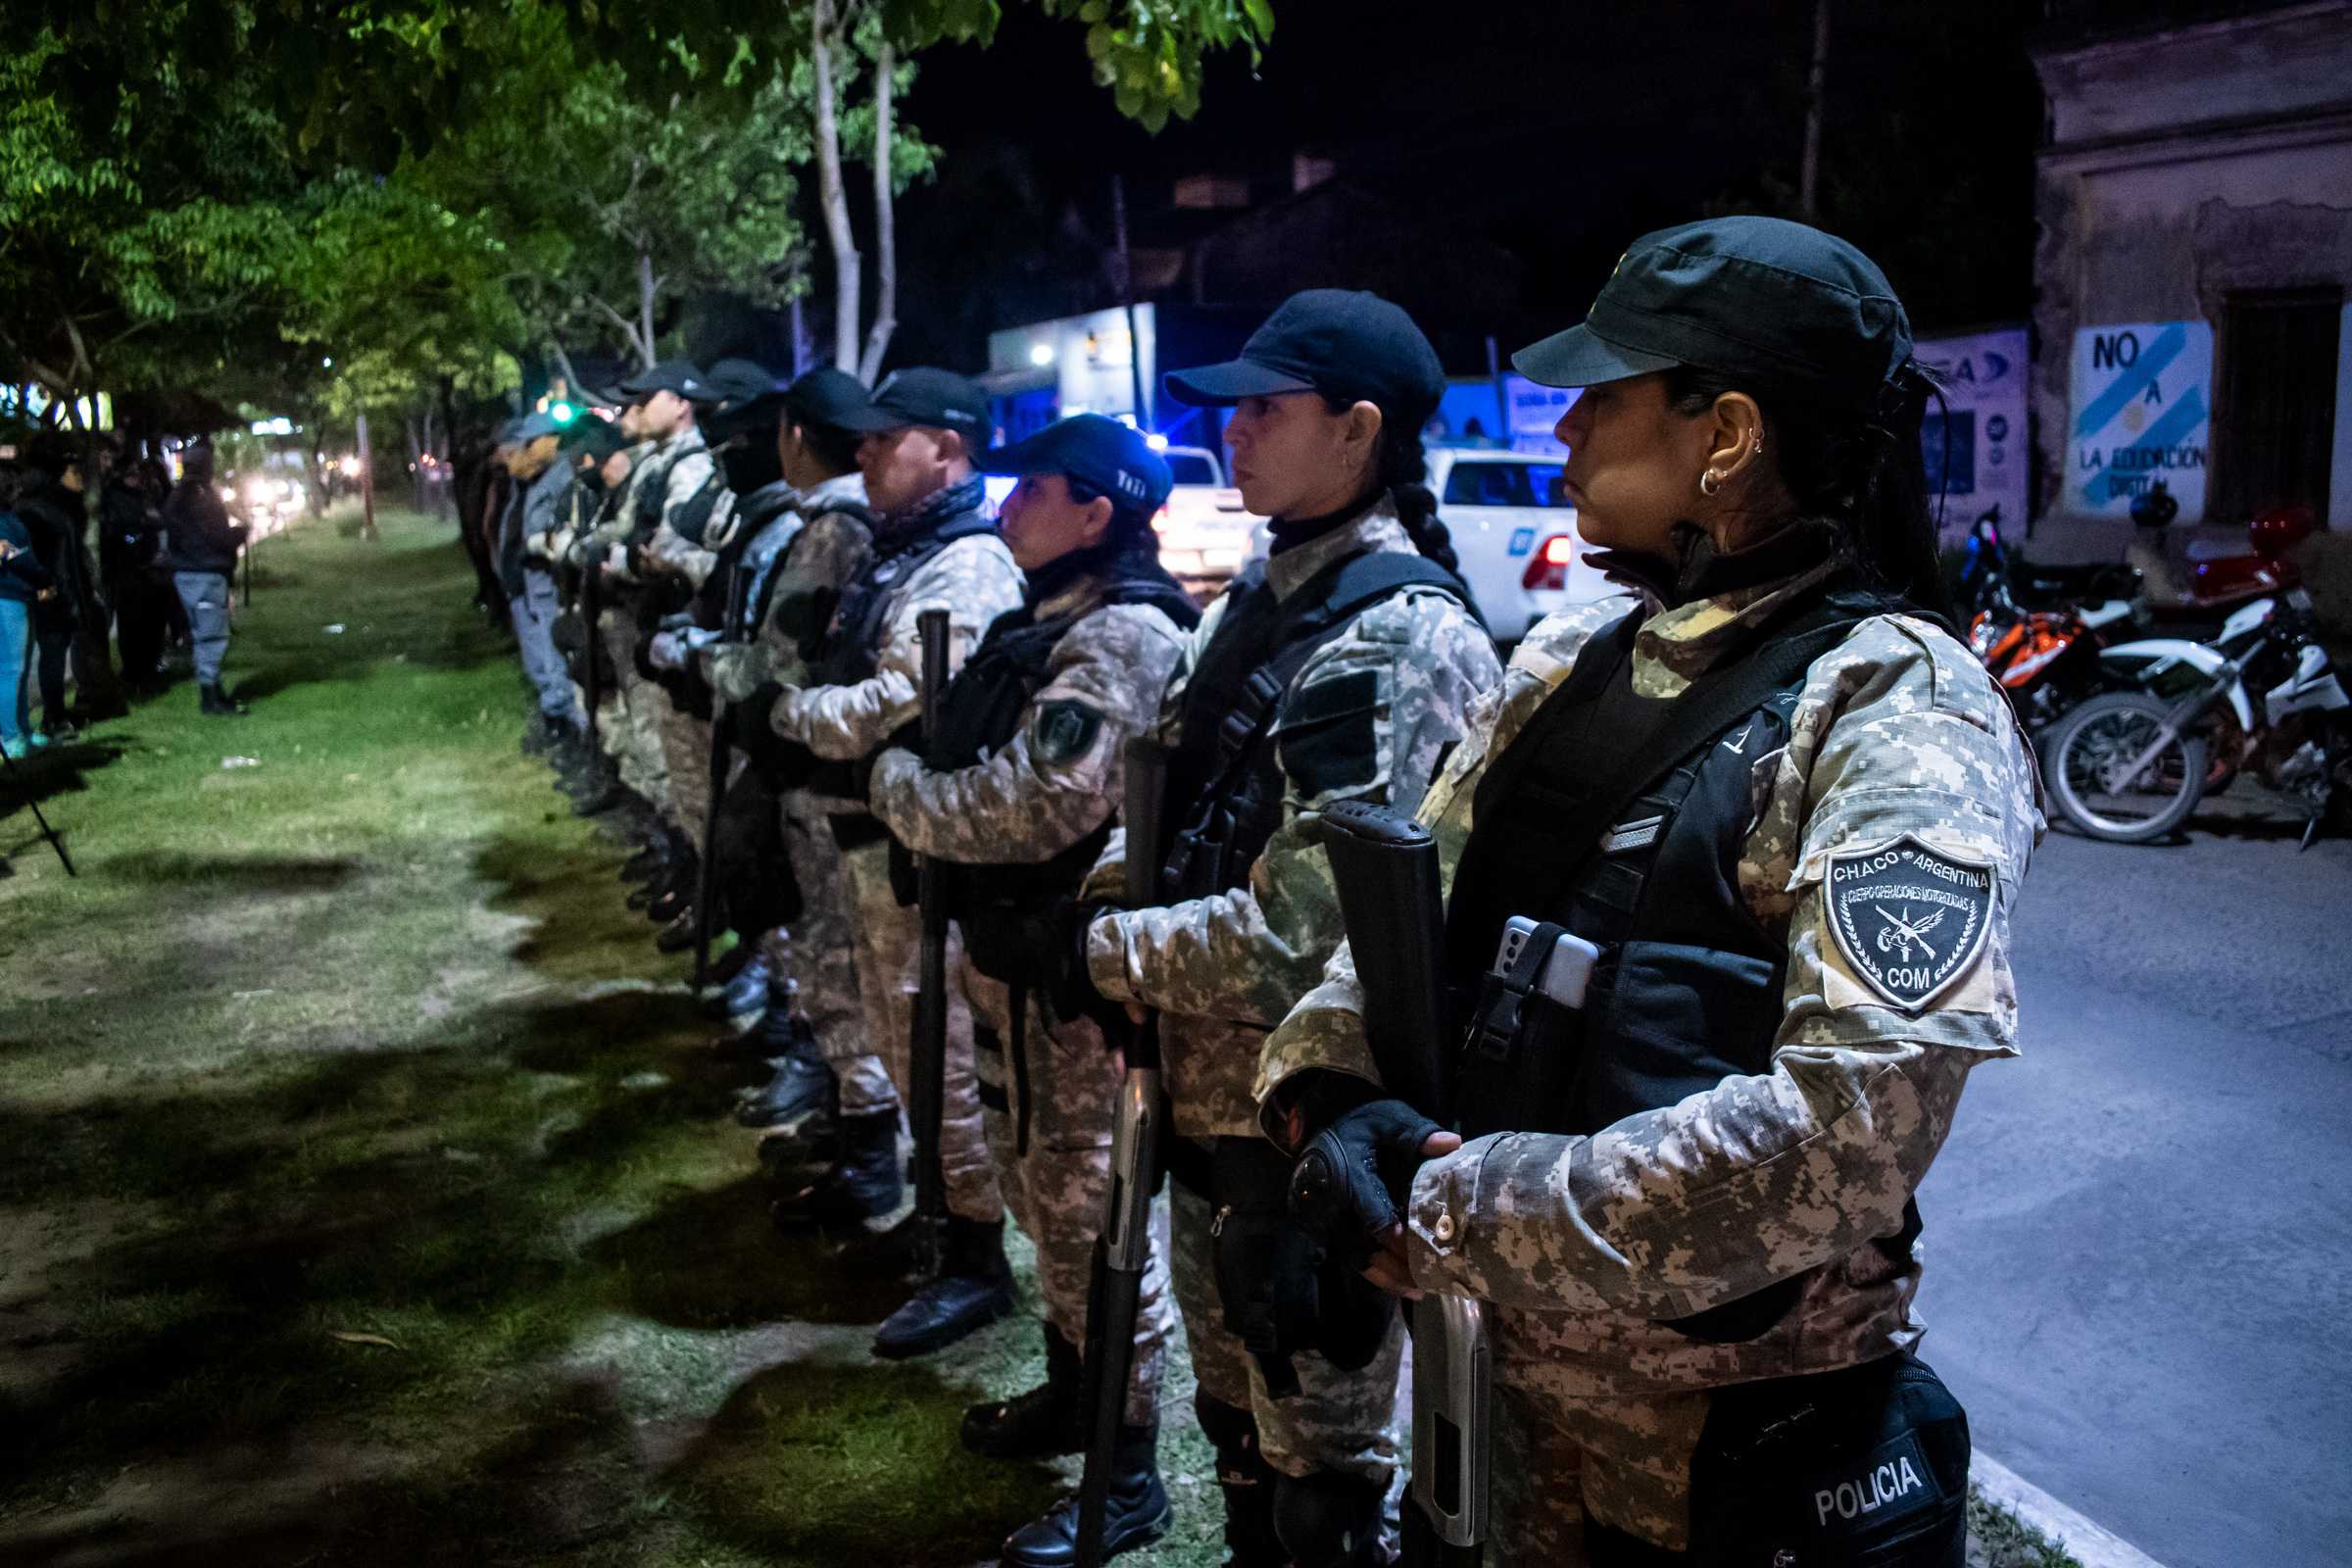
<point x="1911" y="920"/>
<point x="1064" y="730"/>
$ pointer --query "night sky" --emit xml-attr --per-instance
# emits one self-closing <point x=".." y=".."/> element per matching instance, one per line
<point x="1556" y="131"/>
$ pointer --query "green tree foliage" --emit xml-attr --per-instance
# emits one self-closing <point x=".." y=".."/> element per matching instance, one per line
<point x="215" y="192"/>
<point x="144" y="209"/>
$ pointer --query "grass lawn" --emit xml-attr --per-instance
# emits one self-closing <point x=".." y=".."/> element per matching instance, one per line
<point x="365" y="1195"/>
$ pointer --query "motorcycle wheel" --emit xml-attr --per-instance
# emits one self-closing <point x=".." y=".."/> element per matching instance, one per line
<point x="2089" y="747"/>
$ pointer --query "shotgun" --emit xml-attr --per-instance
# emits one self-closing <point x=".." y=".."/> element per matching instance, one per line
<point x="1123" y="1251"/>
<point x="1385" y="867"/>
<point x="928" y="1057"/>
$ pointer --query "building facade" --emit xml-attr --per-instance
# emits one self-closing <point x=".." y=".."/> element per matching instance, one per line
<point x="2194" y="200"/>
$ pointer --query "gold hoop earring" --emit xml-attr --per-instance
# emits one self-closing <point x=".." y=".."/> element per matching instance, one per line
<point x="1710" y="482"/>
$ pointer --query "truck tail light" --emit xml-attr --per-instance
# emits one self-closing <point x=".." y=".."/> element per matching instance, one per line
<point x="1547" y="567"/>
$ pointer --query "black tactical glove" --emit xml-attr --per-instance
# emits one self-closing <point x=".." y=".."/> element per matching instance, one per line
<point x="1352" y="1182"/>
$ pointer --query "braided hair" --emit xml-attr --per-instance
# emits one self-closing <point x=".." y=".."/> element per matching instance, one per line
<point x="1402" y="468"/>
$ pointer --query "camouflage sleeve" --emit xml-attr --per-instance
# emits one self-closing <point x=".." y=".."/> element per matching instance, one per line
<point x="1106" y="882"/>
<point x="828" y="553"/>
<point x="1326" y="1029"/>
<point x="672" y="551"/>
<point x="974" y="580"/>
<point x="1406" y="673"/>
<point x="1763" y="1177"/>
<point x="1060" y="777"/>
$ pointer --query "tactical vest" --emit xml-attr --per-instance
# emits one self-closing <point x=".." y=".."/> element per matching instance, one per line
<point x="996" y="905"/>
<point x="1640" y="860"/>
<point x="852" y="652"/>
<point x="1225" y="781"/>
<point x="652" y="495"/>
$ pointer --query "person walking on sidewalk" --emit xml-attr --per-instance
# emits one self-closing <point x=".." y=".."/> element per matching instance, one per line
<point x="23" y="584"/>
<point x="202" y="553"/>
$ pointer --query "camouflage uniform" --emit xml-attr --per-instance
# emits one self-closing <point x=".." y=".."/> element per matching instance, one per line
<point x="824" y="551"/>
<point x="631" y="732"/>
<point x="974" y="580"/>
<point x="683" y="737"/>
<point x="1584" y="1244"/>
<point x="1033" y="800"/>
<point x="1225" y="969"/>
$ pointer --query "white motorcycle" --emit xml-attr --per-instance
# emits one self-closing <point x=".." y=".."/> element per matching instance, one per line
<point x="2188" y="718"/>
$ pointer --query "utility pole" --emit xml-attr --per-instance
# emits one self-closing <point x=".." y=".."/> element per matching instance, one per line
<point x="1809" y="192"/>
<point x="1126" y="282"/>
<point x="367" y="484"/>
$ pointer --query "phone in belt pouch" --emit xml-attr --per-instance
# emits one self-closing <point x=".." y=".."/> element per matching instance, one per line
<point x="1564" y="975"/>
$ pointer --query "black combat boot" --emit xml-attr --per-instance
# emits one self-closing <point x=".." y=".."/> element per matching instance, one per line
<point x="649" y="863"/>
<point x="804" y="1080"/>
<point x="214" y="702"/>
<point x="601" y="794"/>
<point x="679" y="935"/>
<point x="1044" y="1420"/>
<point x="742" y="979"/>
<point x="865" y="1183"/>
<point x="1328" y="1520"/>
<point x="1248" y="1483"/>
<point x="676" y="899"/>
<point x="973" y="1290"/>
<point x="1135" y="1511"/>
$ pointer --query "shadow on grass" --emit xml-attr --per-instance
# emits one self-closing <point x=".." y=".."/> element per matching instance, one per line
<point x="563" y="1474"/>
<point x="709" y="1260"/>
<point x="852" y="1463"/>
<point x="248" y="875"/>
<point x="54" y="770"/>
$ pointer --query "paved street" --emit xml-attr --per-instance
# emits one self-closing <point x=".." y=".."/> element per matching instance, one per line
<point x="2140" y="1259"/>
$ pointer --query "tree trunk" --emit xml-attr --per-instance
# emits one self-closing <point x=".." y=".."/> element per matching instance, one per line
<point x="645" y="305"/>
<point x="366" y="483"/>
<point x="825" y="35"/>
<point x="886" y="241"/>
<point x="1808" y="194"/>
<point x="416" y="434"/>
<point x="572" y="377"/>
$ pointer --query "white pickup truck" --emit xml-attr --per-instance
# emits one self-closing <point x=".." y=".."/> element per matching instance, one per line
<point x="1205" y="530"/>
<point x="1514" y="531"/>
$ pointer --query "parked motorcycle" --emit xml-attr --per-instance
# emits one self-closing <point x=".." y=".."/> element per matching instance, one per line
<point x="2047" y="656"/>
<point x="2223" y="578"/>
<point x="2132" y="764"/>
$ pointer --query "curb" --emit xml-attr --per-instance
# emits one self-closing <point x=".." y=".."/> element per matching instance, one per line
<point x="2087" y="1543"/>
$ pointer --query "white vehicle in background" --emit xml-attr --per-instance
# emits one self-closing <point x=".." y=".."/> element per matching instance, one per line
<point x="1205" y="530"/>
<point x="1514" y="528"/>
<point x="1514" y="531"/>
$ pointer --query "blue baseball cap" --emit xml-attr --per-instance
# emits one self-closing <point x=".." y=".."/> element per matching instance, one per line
<point x="1100" y="453"/>
<point x="531" y="426"/>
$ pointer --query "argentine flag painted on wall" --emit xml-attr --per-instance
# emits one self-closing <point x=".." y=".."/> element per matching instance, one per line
<point x="2141" y="414"/>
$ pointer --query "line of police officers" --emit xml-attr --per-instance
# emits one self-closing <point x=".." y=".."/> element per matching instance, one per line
<point x="1688" y="1200"/>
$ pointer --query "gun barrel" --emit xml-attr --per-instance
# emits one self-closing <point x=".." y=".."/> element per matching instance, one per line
<point x="929" y="1054"/>
<point x="1385" y="866"/>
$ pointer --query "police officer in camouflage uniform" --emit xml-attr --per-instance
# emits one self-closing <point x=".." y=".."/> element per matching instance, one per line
<point x="662" y="482"/>
<point x="619" y="452"/>
<point x="934" y="548"/>
<point x="1791" y="812"/>
<point x="1016" y="793"/>
<point x="1337" y="671"/>
<point x="799" y="568"/>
